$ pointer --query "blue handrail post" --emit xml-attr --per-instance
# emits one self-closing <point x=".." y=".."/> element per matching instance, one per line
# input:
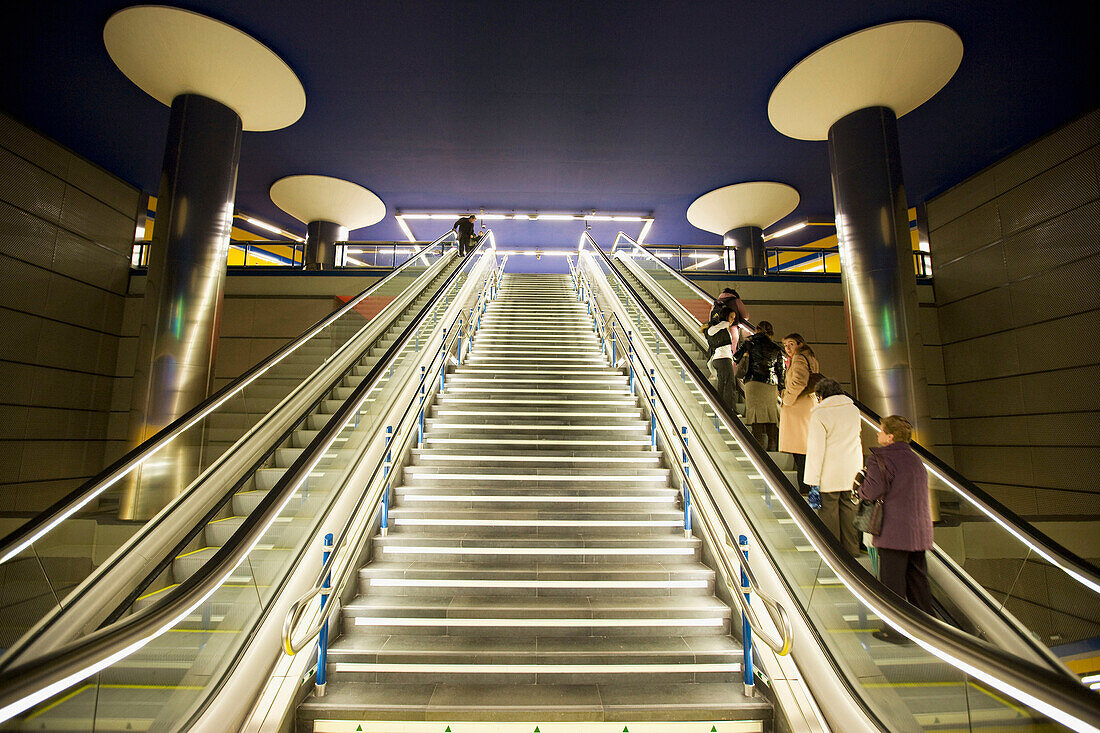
<point x="322" y="639"/>
<point x="443" y="367"/>
<point x="630" y="359"/>
<point x="687" y="481"/>
<point x="385" y="522"/>
<point x="614" y="356"/>
<point x="746" y="630"/>
<point x="420" y="421"/>
<point x="653" y="409"/>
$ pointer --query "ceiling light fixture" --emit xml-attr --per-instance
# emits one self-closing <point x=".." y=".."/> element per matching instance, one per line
<point x="404" y="217"/>
<point x="405" y="228"/>
<point x="788" y="230"/>
<point x="269" y="227"/>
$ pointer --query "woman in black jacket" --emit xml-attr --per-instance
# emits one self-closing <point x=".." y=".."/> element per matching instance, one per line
<point x="762" y="384"/>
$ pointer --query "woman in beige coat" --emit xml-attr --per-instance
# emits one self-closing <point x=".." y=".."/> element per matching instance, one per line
<point x="797" y="402"/>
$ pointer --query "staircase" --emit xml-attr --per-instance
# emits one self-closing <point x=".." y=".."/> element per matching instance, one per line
<point x="536" y="567"/>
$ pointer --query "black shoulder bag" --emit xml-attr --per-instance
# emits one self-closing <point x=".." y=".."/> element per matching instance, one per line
<point x="869" y="513"/>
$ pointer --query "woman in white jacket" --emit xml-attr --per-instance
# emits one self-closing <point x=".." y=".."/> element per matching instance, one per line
<point x="834" y="454"/>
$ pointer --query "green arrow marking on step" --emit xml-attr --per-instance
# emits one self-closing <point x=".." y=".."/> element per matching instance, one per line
<point x="448" y="729"/>
<point x="358" y="727"/>
<point x="714" y="729"/>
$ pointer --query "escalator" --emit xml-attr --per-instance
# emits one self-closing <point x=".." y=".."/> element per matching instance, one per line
<point x="1032" y="578"/>
<point x="294" y="445"/>
<point x="537" y="516"/>
<point x="898" y="678"/>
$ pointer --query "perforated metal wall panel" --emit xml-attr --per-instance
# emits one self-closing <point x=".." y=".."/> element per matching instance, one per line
<point x="1016" y="251"/>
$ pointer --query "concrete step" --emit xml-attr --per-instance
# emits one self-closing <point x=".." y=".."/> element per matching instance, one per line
<point x="475" y="700"/>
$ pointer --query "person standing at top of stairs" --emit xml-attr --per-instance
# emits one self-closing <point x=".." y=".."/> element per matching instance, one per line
<point x="464" y="233"/>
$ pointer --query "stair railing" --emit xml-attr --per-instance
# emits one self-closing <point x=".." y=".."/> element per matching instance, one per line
<point x="29" y="684"/>
<point x="1046" y="547"/>
<point x="608" y="329"/>
<point x="1050" y="693"/>
<point x="340" y="561"/>
<point x="47" y="520"/>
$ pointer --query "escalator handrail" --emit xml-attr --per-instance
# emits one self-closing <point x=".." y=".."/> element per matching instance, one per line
<point x="779" y="616"/>
<point x="34" y="681"/>
<point x="50" y="518"/>
<point x="323" y="583"/>
<point x="1045" y="546"/>
<point x="1055" y="695"/>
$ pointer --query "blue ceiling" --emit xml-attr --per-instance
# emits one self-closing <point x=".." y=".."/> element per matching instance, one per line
<point x="637" y="106"/>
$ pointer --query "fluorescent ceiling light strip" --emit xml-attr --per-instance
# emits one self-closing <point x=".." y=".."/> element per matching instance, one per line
<point x="405" y="227"/>
<point x="787" y="230"/>
<point x="1090" y="678"/>
<point x="270" y="227"/>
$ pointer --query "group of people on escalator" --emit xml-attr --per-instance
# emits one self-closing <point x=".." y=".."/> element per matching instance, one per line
<point x="791" y="407"/>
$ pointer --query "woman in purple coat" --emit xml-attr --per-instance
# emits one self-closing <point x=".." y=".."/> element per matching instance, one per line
<point x="906" y="516"/>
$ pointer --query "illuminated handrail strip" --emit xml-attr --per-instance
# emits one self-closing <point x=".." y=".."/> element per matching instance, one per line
<point x="29" y="533"/>
<point x="32" y="682"/>
<point x="1057" y="696"/>
<point x="1046" y="547"/>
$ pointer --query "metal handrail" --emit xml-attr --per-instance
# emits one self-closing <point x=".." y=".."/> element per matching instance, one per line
<point x="461" y="327"/>
<point x="29" y="533"/>
<point x="919" y="255"/>
<point x="1046" y="547"/>
<point x="1055" y="695"/>
<point x="779" y="616"/>
<point x="38" y="679"/>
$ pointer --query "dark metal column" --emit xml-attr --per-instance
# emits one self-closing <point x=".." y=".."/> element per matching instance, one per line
<point x="321" y="239"/>
<point x="183" y="292"/>
<point x="749" y="243"/>
<point x="880" y="288"/>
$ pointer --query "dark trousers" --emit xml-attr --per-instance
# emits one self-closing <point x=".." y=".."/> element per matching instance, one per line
<point x="800" y="469"/>
<point x="727" y="383"/>
<point x="837" y="512"/>
<point x="464" y="246"/>
<point x="766" y="434"/>
<point x="906" y="573"/>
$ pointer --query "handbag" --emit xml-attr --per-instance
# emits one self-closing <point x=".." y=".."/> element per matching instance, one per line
<point x="812" y="379"/>
<point x="743" y="367"/>
<point x="868" y="516"/>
